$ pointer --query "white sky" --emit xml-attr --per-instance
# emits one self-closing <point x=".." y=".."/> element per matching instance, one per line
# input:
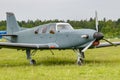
<point x="60" y="9"/>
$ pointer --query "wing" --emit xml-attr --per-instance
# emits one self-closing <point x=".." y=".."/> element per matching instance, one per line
<point x="107" y="44"/>
<point x="27" y="45"/>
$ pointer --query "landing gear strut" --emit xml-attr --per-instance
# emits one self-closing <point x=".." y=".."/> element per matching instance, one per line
<point x="80" y="55"/>
<point x="28" y="53"/>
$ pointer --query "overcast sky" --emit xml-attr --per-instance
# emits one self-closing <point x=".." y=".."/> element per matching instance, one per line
<point x="60" y="9"/>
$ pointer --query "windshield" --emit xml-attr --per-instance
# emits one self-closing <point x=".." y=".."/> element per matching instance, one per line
<point x="64" y="27"/>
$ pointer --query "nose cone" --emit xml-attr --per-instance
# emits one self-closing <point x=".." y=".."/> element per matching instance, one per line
<point x="98" y="35"/>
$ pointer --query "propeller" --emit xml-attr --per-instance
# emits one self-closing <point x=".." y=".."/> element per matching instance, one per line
<point x="100" y="35"/>
<point x="96" y="22"/>
<point x="87" y="46"/>
<point x="97" y="35"/>
<point x="109" y="42"/>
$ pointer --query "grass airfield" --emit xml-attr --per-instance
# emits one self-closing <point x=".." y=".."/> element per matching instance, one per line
<point x="100" y="64"/>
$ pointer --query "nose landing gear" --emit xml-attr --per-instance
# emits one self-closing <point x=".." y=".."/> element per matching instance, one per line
<point x="80" y="56"/>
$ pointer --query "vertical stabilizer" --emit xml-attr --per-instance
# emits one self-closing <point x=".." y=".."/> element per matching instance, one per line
<point x="12" y="25"/>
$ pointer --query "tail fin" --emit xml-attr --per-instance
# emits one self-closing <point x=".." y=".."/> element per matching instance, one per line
<point x="12" y="25"/>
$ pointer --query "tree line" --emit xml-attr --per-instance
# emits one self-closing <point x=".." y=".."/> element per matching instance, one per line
<point x="110" y="28"/>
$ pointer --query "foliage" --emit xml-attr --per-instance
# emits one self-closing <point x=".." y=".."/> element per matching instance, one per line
<point x="108" y="27"/>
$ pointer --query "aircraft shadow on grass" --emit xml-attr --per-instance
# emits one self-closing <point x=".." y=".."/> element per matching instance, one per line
<point x="49" y="62"/>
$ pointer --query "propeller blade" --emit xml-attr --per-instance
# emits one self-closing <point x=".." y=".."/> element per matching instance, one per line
<point x="109" y="42"/>
<point x="87" y="46"/>
<point x="96" y="21"/>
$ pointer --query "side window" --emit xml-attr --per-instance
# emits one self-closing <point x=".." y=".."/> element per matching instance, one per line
<point x="44" y="29"/>
<point x="52" y="30"/>
<point x="36" y="31"/>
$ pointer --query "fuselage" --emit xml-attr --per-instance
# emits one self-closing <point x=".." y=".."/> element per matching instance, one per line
<point x="60" y="33"/>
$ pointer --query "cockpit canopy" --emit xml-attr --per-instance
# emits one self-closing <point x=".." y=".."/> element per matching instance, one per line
<point x="63" y="26"/>
<point x="53" y="27"/>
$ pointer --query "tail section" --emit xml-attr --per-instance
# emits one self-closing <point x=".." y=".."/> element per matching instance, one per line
<point x="12" y="25"/>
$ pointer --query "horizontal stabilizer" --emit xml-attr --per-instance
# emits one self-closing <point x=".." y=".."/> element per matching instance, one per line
<point x="12" y="35"/>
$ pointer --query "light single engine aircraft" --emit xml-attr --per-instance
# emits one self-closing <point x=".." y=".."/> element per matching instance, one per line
<point x="52" y="36"/>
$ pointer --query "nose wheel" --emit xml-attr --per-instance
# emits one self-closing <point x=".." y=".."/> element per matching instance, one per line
<point x="80" y="56"/>
<point x="32" y="62"/>
<point x="80" y="61"/>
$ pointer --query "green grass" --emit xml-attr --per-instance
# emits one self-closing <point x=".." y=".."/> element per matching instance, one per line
<point x="100" y="64"/>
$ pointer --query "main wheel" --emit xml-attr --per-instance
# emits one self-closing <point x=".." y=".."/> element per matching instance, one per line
<point x="32" y="62"/>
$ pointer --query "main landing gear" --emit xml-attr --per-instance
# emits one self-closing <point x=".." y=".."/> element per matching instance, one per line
<point x="80" y="56"/>
<point x="28" y="53"/>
